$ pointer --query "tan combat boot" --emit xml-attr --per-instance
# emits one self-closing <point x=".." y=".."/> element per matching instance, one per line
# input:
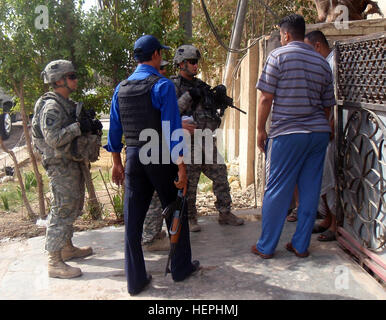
<point x="229" y="218"/>
<point x="193" y="225"/>
<point x="58" y="269"/>
<point x="69" y="251"/>
<point x="160" y="243"/>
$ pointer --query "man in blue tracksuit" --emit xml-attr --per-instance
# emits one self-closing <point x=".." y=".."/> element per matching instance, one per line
<point x="147" y="101"/>
<point x="296" y="84"/>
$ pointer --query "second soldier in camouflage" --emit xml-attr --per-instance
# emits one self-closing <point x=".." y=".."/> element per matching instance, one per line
<point x="190" y="93"/>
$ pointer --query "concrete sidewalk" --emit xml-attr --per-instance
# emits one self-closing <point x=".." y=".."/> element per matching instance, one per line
<point x="229" y="271"/>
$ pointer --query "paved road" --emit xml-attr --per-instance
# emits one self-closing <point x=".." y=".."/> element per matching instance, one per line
<point x="16" y="142"/>
<point x="106" y="123"/>
<point x="14" y="139"/>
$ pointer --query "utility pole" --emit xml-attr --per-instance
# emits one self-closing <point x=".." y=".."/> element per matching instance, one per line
<point x="185" y="19"/>
<point x="237" y="31"/>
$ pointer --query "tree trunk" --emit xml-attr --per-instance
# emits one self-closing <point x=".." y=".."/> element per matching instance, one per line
<point x="93" y="203"/>
<point x="185" y="19"/>
<point x="69" y="9"/>
<point x="30" y="212"/>
<point x="39" y="179"/>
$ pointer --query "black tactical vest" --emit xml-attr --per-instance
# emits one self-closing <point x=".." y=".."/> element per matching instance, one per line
<point x="136" y="109"/>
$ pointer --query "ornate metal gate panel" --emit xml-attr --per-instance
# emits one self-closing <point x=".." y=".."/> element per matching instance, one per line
<point x="360" y="133"/>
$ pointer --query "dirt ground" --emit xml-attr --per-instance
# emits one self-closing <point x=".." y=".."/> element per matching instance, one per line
<point x="17" y="225"/>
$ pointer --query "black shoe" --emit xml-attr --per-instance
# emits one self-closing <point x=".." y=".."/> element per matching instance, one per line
<point x="147" y="282"/>
<point x="196" y="267"/>
<point x="196" y="264"/>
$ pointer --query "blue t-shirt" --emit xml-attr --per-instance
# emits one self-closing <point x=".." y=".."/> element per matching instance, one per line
<point x="163" y="97"/>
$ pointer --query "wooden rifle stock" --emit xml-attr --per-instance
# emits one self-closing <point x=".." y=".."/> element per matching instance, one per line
<point x="176" y="224"/>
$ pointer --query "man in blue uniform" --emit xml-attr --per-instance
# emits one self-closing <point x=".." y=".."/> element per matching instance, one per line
<point x="146" y="100"/>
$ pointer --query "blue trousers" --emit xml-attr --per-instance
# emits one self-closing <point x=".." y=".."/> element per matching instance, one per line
<point x="294" y="159"/>
<point x="140" y="183"/>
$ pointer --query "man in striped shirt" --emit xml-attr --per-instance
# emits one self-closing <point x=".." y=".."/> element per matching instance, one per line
<point x="297" y="84"/>
<point x="327" y="227"/>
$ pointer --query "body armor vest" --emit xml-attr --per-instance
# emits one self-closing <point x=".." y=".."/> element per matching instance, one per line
<point x="82" y="148"/>
<point x="136" y="109"/>
<point x="38" y="142"/>
<point x="36" y="130"/>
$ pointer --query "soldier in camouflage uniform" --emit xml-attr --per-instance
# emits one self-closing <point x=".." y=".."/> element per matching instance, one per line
<point x="54" y="130"/>
<point x="153" y="238"/>
<point x="162" y="70"/>
<point x="190" y="92"/>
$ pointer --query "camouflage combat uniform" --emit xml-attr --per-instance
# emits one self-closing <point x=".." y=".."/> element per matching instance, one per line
<point x="153" y="222"/>
<point x="56" y="121"/>
<point x="217" y="171"/>
<point x="66" y="144"/>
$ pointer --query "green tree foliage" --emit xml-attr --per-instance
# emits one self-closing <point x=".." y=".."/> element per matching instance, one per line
<point x="259" y="21"/>
<point x="111" y="33"/>
<point x="100" y="42"/>
<point x="26" y="49"/>
<point x="26" y="46"/>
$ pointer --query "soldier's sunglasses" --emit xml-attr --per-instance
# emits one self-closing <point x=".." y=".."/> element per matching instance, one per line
<point x="72" y="76"/>
<point x="192" y="61"/>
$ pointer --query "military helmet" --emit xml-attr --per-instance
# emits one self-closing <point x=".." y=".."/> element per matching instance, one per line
<point x="186" y="52"/>
<point x="164" y="63"/>
<point x="55" y="70"/>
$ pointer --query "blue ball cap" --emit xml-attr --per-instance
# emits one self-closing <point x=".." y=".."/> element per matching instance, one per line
<point x="147" y="44"/>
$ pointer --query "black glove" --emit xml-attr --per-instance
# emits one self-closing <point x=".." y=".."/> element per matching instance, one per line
<point x="96" y="126"/>
<point x="91" y="113"/>
<point x="220" y="95"/>
<point x="195" y="93"/>
<point x="85" y="125"/>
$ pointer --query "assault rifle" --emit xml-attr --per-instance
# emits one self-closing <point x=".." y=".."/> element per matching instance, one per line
<point x="176" y="209"/>
<point x="217" y="98"/>
<point x="87" y="118"/>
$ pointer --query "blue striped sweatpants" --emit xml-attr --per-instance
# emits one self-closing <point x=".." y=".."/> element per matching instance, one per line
<point x="293" y="159"/>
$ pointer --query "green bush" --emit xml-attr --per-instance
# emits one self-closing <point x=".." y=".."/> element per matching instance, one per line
<point x="30" y="181"/>
<point x="4" y="200"/>
<point x="118" y="205"/>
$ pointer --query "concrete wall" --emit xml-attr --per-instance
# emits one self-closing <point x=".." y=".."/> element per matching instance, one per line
<point x="355" y="29"/>
<point x="247" y="138"/>
<point x="232" y="122"/>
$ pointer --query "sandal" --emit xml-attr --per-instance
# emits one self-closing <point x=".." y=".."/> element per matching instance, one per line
<point x="293" y="216"/>
<point x="290" y="248"/>
<point x="262" y="255"/>
<point x="318" y="228"/>
<point x="327" y="235"/>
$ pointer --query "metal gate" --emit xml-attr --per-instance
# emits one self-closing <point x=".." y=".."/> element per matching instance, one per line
<point x="360" y="133"/>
